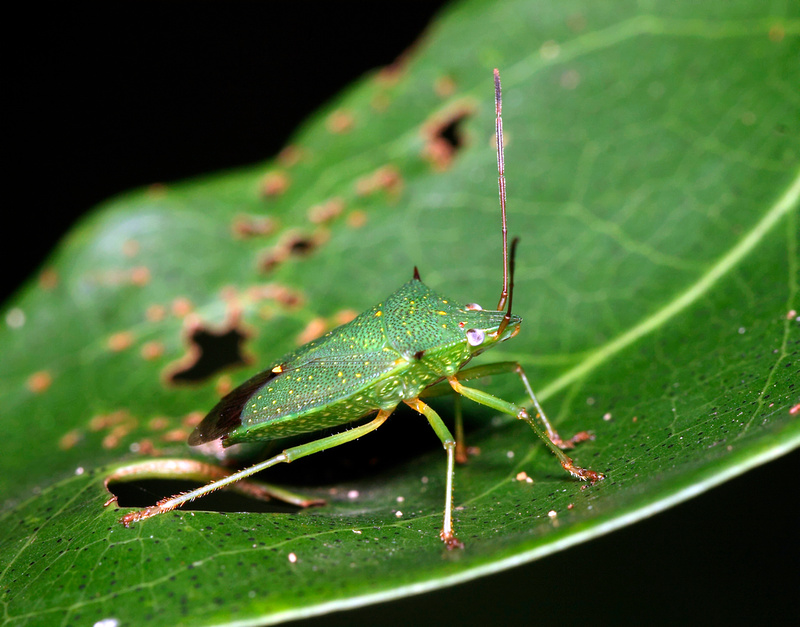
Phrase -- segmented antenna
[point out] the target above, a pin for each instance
(501, 182)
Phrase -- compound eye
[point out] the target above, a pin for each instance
(473, 307)
(475, 337)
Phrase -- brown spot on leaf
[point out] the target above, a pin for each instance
(192, 419)
(290, 155)
(39, 382)
(283, 295)
(48, 279)
(159, 423)
(570, 79)
(777, 32)
(114, 439)
(445, 86)
(130, 248)
(155, 313)
(344, 316)
(245, 226)
(356, 219)
(443, 135)
(70, 439)
(175, 435)
(340, 121)
(326, 211)
(292, 245)
(145, 447)
(386, 178)
(152, 350)
(224, 385)
(275, 183)
(576, 22)
(157, 191)
(312, 331)
(120, 341)
(140, 275)
(118, 424)
(391, 74)
(181, 307)
(380, 101)
(115, 418)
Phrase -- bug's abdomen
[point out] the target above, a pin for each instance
(330, 415)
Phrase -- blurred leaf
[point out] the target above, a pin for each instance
(653, 170)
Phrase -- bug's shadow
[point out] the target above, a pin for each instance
(406, 436)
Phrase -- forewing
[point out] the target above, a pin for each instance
(226, 415)
(318, 383)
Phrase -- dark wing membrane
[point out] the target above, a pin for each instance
(226, 415)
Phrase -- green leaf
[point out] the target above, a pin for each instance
(653, 167)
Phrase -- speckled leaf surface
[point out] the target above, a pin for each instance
(654, 174)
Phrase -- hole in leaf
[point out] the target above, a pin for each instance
(452, 133)
(291, 246)
(301, 246)
(141, 493)
(211, 352)
(445, 135)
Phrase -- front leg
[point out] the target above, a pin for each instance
(447, 534)
(504, 367)
(484, 398)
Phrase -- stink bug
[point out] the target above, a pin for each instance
(390, 354)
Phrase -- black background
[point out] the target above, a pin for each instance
(106, 98)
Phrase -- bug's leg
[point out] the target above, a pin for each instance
(461, 446)
(462, 450)
(484, 398)
(287, 456)
(449, 443)
(503, 367)
(197, 470)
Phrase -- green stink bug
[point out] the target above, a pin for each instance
(390, 354)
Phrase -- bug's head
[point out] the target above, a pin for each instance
(483, 328)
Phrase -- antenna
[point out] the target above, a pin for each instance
(501, 183)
